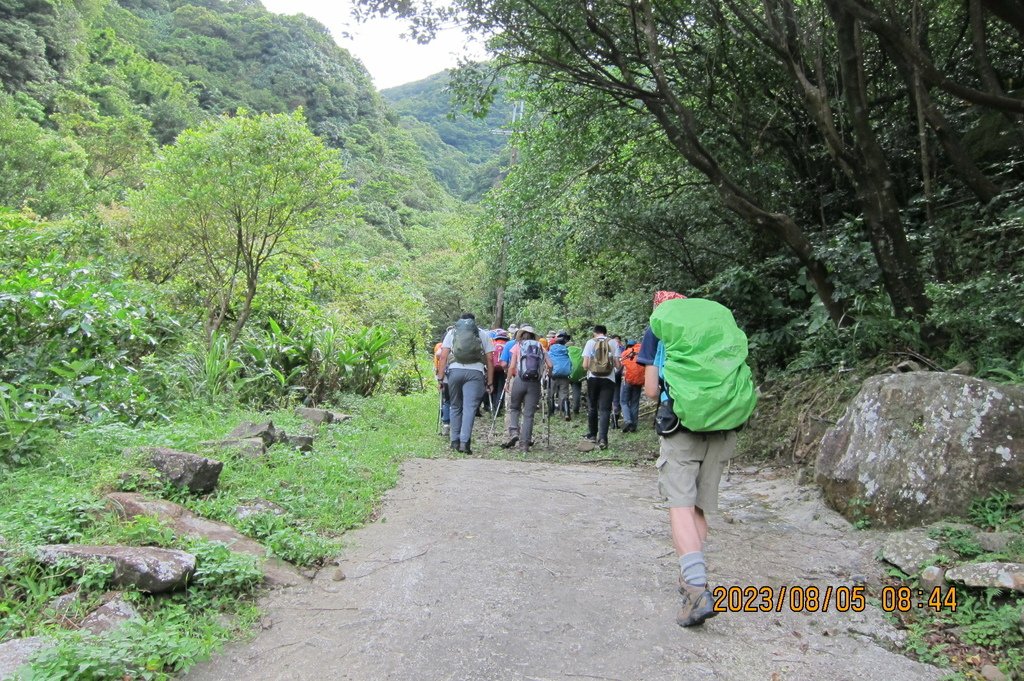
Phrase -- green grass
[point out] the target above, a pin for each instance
(325, 492)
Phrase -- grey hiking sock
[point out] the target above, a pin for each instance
(693, 569)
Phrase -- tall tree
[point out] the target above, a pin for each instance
(234, 194)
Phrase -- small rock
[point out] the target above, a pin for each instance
(964, 368)
(338, 575)
(263, 431)
(995, 542)
(909, 550)
(906, 366)
(338, 417)
(16, 652)
(986, 575)
(252, 447)
(303, 443)
(109, 616)
(933, 577)
(805, 476)
(258, 506)
(195, 473)
(991, 673)
(144, 567)
(586, 446)
(62, 605)
(317, 416)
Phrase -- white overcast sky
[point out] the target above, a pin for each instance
(390, 59)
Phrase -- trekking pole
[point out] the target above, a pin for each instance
(547, 416)
(494, 415)
(440, 407)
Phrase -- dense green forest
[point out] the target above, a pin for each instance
(464, 150)
(845, 175)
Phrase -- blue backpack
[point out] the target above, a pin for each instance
(561, 364)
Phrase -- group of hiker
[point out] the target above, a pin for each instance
(691, 361)
(484, 371)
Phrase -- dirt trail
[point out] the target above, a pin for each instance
(482, 569)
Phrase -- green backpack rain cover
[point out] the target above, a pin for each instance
(705, 364)
(576, 357)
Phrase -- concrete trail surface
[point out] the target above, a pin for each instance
(482, 569)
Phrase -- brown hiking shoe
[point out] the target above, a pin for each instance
(698, 605)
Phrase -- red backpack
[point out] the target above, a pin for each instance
(632, 372)
(499, 346)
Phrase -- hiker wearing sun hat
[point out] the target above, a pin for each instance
(528, 365)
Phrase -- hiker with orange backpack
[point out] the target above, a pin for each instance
(600, 359)
(632, 385)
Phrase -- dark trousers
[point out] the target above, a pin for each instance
(600, 392)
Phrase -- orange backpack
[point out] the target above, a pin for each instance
(632, 372)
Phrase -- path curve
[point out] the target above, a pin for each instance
(483, 569)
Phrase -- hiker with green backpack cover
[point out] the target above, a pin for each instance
(470, 376)
(694, 356)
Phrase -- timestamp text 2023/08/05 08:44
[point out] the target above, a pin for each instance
(821, 599)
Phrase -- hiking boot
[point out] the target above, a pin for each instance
(510, 442)
(455, 446)
(446, 430)
(602, 444)
(568, 418)
(697, 605)
(464, 448)
(590, 438)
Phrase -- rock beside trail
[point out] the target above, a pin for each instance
(195, 473)
(910, 550)
(303, 443)
(318, 416)
(995, 542)
(184, 522)
(16, 652)
(264, 431)
(144, 567)
(989, 575)
(933, 577)
(913, 448)
(110, 616)
(252, 447)
(257, 506)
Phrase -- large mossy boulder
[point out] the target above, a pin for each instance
(918, 447)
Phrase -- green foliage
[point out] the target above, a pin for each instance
(232, 195)
(956, 539)
(995, 512)
(38, 168)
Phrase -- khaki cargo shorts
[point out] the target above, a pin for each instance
(690, 467)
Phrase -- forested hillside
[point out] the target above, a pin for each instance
(464, 151)
(95, 97)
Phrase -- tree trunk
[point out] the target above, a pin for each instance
(873, 180)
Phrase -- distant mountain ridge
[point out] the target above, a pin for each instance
(465, 153)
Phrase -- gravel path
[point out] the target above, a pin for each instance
(483, 569)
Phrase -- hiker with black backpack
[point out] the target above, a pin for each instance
(528, 366)
(470, 376)
(600, 359)
(695, 363)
